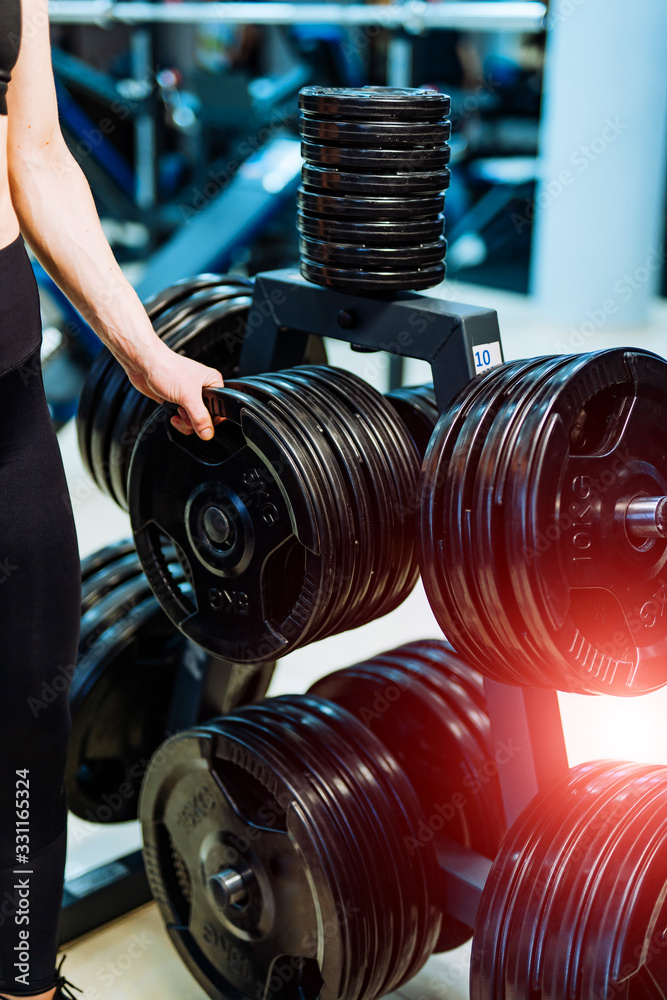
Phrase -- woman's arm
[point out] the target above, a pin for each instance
(59, 221)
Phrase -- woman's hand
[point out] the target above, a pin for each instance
(169, 377)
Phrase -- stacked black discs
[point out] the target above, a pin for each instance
(295, 522)
(373, 187)
(278, 846)
(122, 688)
(426, 705)
(417, 407)
(576, 902)
(202, 318)
(527, 553)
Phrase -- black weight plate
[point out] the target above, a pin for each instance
(418, 416)
(410, 732)
(372, 258)
(377, 135)
(460, 547)
(372, 281)
(119, 701)
(366, 185)
(374, 471)
(103, 557)
(183, 289)
(484, 807)
(401, 458)
(376, 209)
(320, 812)
(627, 924)
(219, 347)
(419, 871)
(182, 313)
(506, 408)
(132, 415)
(108, 406)
(213, 337)
(492, 926)
(448, 583)
(324, 463)
(387, 234)
(96, 586)
(403, 463)
(278, 558)
(113, 606)
(442, 656)
(87, 406)
(362, 535)
(567, 855)
(559, 850)
(204, 936)
(594, 600)
(378, 103)
(628, 852)
(376, 160)
(313, 746)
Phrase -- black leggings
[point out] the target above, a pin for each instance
(40, 595)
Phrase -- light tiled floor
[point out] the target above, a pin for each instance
(100, 963)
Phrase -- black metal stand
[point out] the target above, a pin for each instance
(457, 341)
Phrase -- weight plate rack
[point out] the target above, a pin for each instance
(571, 903)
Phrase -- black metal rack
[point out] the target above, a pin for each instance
(456, 340)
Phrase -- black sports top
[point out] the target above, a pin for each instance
(10, 40)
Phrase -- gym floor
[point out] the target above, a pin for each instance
(132, 957)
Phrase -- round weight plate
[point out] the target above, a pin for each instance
(108, 405)
(353, 498)
(377, 103)
(293, 864)
(119, 702)
(372, 258)
(402, 464)
(488, 563)
(446, 579)
(375, 135)
(371, 209)
(372, 281)
(277, 553)
(419, 416)
(104, 557)
(324, 462)
(376, 160)
(213, 337)
(593, 600)
(91, 392)
(366, 185)
(183, 289)
(336, 771)
(559, 850)
(96, 586)
(487, 970)
(374, 471)
(386, 234)
(365, 691)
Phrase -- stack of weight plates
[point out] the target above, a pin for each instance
(373, 187)
(526, 556)
(575, 904)
(202, 318)
(417, 408)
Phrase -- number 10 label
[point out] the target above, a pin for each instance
(486, 356)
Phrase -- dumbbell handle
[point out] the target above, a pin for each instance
(646, 517)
